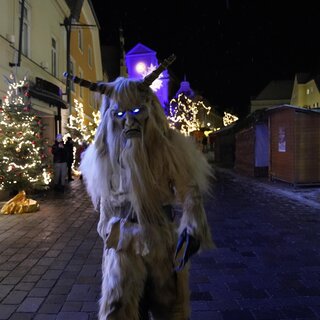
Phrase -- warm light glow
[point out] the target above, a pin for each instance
(228, 118)
(141, 67)
(79, 131)
(24, 162)
(77, 128)
(183, 114)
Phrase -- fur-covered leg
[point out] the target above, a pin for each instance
(170, 297)
(181, 308)
(123, 281)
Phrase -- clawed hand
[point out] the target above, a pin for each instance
(192, 245)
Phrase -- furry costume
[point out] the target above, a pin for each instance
(136, 171)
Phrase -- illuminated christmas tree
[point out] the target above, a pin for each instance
(77, 128)
(81, 134)
(183, 113)
(24, 163)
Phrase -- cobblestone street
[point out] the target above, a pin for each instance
(266, 264)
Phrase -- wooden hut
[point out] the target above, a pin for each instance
(252, 151)
(294, 145)
(252, 145)
(224, 146)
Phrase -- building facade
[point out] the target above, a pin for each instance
(303, 91)
(140, 61)
(35, 48)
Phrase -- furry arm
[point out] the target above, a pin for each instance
(191, 182)
(194, 219)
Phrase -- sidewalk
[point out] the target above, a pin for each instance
(50, 259)
(308, 195)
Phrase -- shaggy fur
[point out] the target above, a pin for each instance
(130, 181)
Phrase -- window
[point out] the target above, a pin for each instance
(91, 99)
(53, 57)
(26, 29)
(80, 88)
(90, 57)
(80, 40)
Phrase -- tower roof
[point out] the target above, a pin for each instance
(185, 89)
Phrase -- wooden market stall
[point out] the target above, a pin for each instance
(252, 145)
(252, 151)
(294, 145)
(224, 146)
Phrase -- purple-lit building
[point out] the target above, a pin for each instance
(185, 89)
(141, 61)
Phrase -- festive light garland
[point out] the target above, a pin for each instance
(79, 131)
(183, 113)
(228, 118)
(76, 126)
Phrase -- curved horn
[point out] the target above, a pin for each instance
(85, 83)
(147, 81)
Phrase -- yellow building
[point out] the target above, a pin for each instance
(41, 55)
(306, 91)
(303, 91)
(85, 60)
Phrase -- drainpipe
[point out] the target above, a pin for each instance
(12, 64)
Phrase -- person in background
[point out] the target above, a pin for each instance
(204, 143)
(70, 158)
(79, 154)
(211, 141)
(59, 163)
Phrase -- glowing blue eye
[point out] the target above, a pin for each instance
(136, 110)
(119, 114)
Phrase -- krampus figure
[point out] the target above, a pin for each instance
(137, 172)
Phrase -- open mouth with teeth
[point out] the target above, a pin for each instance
(132, 133)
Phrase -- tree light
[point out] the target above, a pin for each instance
(228, 118)
(24, 162)
(184, 114)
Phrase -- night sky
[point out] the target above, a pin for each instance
(228, 50)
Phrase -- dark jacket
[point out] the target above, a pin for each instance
(69, 150)
(59, 154)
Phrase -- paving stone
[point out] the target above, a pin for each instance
(21, 316)
(30, 305)
(72, 316)
(6, 311)
(45, 317)
(15, 297)
(50, 308)
(4, 290)
(72, 306)
(265, 264)
(39, 292)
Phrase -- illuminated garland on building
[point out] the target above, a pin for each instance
(228, 118)
(183, 114)
(24, 162)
